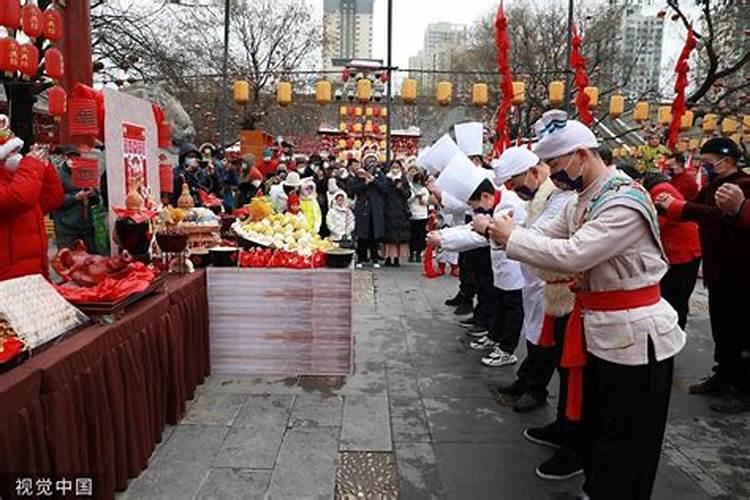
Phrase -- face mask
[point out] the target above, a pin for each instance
(255, 183)
(565, 181)
(301, 170)
(526, 193)
(344, 174)
(12, 162)
(191, 162)
(710, 171)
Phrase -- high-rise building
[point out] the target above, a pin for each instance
(441, 42)
(639, 42)
(347, 31)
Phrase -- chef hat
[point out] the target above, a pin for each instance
(461, 178)
(470, 137)
(440, 154)
(513, 161)
(559, 136)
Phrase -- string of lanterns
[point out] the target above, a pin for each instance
(22, 59)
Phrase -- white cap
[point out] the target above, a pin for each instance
(513, 161)
(461, 178)
(440, 154)
(559, 136)
(470, 137)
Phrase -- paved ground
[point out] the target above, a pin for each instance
(416, 420)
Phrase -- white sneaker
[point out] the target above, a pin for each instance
(376, 266)
(482, 343)
(498, 357)
(359, 266)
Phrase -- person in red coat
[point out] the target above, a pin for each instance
(682, 178)
(681, 243)
(29, 189)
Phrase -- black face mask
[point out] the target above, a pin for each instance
(526, 193)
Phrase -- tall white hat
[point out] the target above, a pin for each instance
(461, 178)
(439, 155)
(470, 137)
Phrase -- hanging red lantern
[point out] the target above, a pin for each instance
(32, 20)
(8, 55)
(28, 60)
(350, 110)
(54, 63)
(53, 24)
(345, 75)
(10, 14)
(57, 99)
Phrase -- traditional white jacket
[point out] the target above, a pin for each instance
(507, 273)
(608, 237)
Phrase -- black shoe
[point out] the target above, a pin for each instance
(733, 404)
(412, 258)
(710, 386)
(514, 389)
(388, 262)
(455, 301)
(468, 322)
(396, 263)
(564, 464)
(464, 308)
(549, 435)
(418, 259)
(527, 403)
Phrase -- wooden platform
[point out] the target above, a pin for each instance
(280, 321)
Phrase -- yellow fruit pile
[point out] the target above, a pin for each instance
(283, 231)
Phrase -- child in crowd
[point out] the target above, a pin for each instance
(340, 219)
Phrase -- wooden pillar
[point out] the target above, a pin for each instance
(76, 48)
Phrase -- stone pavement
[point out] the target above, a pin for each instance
(416, 420)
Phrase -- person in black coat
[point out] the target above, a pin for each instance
(369, 188)
(397, 215)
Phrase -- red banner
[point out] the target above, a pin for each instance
(85, 173)
(134, 155)
(82, 113)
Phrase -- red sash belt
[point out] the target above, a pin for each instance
(574, 348)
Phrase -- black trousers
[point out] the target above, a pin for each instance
(624, 415)
(417, 242)
(466, 284)
(541, 362)
(480, 275)
(507, 318)
(677, 286)
(726, 308)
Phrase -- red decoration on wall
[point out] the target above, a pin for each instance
(502, 42)
(10, 14)
(28, 59)
(53, 24)
(578, 65)
(54, 65)
(8, 55)
(32, 20)
(678, 105)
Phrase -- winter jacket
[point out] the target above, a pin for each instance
(26, 196)
(507, 273)
(310, 207)
(340, 220)
(73, 219)
(369, 208)
(418, 202)
(679, 239)
(397, 213)
(686, 184)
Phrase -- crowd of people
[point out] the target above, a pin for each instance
(594, 264)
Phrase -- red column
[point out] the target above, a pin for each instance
(76, 47)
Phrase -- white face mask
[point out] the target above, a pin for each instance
(255, 183)
(12, 162)
(344, 174)
(191, 162)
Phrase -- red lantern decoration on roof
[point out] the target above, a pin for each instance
(8, 55)
(54, 63)
(58, 101)
(28, 59)
(32, 20)
(10, 14)
(53, 24)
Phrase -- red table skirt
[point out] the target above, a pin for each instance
(96, 404)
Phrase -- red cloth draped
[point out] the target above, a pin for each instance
(428, 264)
(680, 84)
(578, 65)
(574, 347)
(502, 43)
(547, 337)
(137, 280)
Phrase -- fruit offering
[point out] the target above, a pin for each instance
(283, 232)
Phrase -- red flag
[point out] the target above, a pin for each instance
(578, 65)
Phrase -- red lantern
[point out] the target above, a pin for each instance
(32, 20)
(384, 77)
(8, 55)
(28, 59)
(53, 29)
(350, 143)
(58, 101)
(166, 178)
(345, 75)
(54, 63)
(10, 14)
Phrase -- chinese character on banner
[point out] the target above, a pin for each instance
(134, 155)
(24, 487)
(44, 487)
(64, 486)
(84, 487)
